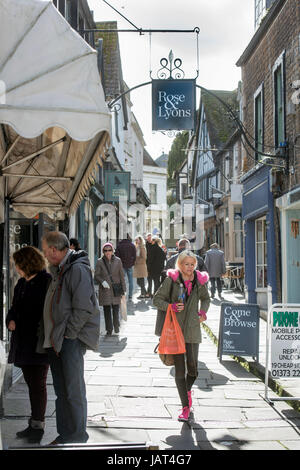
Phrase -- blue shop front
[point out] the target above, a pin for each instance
(259, 229)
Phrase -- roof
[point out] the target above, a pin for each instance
(111, 59)
(220, 126)
(162, 160)
(148, 160)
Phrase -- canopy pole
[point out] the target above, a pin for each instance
(34, 154)
(63, 178)
(10, 148)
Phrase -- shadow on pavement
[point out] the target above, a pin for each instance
(111, 344)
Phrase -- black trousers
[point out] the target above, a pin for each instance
(186, 371)
(156, 279)
(111, 318)
(141, 282)
(213, 281)
(35, 376)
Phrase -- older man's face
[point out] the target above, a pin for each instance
(53, 255)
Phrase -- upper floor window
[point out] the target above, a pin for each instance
(153, 193)
(279, 101)
(259, 122)
(261, 7)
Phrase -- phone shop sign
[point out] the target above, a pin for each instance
(173, 104)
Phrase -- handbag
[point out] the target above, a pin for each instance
(172, 339)
(123, 308)
(116, 286)
(166, 359)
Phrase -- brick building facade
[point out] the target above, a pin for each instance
(271, 182)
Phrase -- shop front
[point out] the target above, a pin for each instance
(51, 137)
(261, 250)
(289, 207)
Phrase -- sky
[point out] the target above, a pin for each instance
(226, 27)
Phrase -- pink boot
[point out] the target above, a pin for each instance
(185, 413)
(190, 398)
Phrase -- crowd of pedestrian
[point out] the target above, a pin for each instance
(55, 315)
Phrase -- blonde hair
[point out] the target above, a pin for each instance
(185, 254)
(141, 239)
(157, 240)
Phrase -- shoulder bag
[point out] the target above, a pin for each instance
(116, 286)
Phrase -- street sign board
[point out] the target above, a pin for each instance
(116, 185)
(173, 104)
(239, 330)
(285, 342)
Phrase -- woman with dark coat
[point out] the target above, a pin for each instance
(23, 320)
(156, 264)
(109, 270)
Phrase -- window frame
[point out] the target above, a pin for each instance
(279, 64)
(264, 244)
(259, 112)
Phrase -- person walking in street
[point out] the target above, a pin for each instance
(184, 244)
(127, 253)
(140, 267)
(149, 247)
(156, 264)
(109, 271)
(193, 283)
(216, 267)
(71, 324)
(22, 320)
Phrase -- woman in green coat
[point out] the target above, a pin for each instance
(194, 286)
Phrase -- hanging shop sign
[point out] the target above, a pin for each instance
(239, 330)
(116, 186)
(173, 104)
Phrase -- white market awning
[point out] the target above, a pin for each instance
(55, 124)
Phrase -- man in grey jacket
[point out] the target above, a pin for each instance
(71, 325)
(216, 266)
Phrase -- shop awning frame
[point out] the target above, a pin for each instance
(54, 123)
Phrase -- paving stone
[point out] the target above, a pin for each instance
(143, 407)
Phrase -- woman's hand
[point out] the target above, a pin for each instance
(178, 307)
(12, 325)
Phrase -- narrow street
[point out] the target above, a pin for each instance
(132, 396)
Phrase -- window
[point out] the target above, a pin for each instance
(227, 173)
(259, 122)
(261, 252)
(279, 101)
(260, 9)
(62, 7)
(68, 11)
(235, 164)
(153, 193)
(238, 233)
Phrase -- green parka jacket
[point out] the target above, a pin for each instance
(188, 319)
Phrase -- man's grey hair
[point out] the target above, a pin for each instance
(58, 240)
(214, 245)
(184, 242)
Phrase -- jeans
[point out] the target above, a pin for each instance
(113, 322)
(213, 281)
(68, 380)
(129, 272)
(35, 376)
(185, 375)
